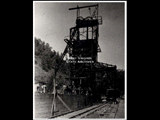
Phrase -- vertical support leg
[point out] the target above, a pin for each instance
(53, 109)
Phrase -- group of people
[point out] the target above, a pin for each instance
(73, 90)
(41, 89)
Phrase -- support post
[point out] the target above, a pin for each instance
(53, 109)
(87, 33)
(54, 99)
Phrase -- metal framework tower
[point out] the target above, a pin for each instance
(83, 43)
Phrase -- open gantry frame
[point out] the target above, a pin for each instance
(84, 39)
(83, 43)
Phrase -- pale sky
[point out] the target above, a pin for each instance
(53, 20)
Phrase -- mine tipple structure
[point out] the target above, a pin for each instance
(83, 43)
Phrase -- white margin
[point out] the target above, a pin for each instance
(125, 59)
(81, 1)
(33, 60)
(125, 3)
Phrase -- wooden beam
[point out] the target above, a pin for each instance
(82, 7)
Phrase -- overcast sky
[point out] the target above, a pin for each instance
(53, 20)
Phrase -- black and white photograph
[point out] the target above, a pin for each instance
(79, 59)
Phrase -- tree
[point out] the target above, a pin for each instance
(120, 80)
(49, 59)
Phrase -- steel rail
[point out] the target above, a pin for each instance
(90, 112)
(73, 114)
(83, 113)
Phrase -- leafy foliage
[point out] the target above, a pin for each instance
(49, 58)
(120, 80)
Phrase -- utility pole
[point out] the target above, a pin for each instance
(53, 109)
(54, 82)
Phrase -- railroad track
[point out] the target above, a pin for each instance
(101, 110)
(84, 115)
(108, 111)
